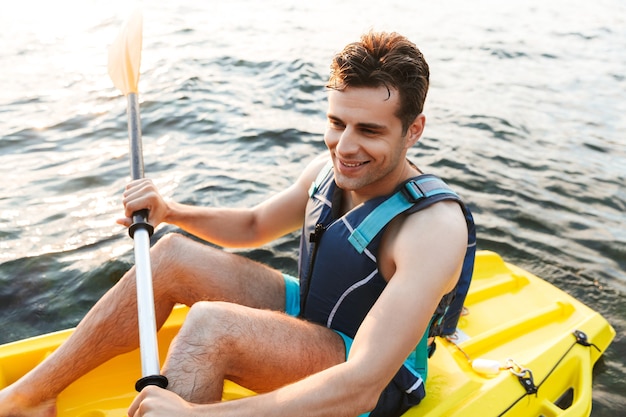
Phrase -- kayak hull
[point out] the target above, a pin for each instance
(513, 317)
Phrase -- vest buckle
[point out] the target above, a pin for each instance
(413, 192)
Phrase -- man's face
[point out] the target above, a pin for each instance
(364, 137)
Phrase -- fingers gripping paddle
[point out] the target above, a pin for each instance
(124, 60)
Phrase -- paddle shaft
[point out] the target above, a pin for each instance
(134, 136)
(140, 231)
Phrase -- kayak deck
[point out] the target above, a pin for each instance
(513, 317)
(513, 314)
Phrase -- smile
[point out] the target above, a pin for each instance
(352, 164)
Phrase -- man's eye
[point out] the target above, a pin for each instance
(335, 124)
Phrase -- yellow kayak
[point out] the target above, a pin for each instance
(524, 348)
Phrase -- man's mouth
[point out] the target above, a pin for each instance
(352, 164)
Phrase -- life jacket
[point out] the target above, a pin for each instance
(338, 270)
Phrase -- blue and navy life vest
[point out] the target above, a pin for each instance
(338, 269)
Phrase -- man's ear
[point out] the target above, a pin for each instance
(414, 133)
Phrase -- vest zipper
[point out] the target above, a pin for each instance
(314, 238)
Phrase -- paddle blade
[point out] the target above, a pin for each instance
(125, 54)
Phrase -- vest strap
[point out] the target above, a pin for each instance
(412, 192)
(320, 178)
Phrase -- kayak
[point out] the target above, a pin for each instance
(523, 348)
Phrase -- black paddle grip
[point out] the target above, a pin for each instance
(140, 220)
(158, 380)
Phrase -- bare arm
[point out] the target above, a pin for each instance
(424, 270)
(230, 227)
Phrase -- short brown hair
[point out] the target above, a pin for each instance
(384, 59)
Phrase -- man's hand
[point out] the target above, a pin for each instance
(156, 402)
(143, 194)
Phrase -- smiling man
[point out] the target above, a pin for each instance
(385, 249)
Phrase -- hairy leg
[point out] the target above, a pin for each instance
(259, 349)
(184, 271)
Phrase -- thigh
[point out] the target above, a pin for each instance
(261, 349)
(191, 271)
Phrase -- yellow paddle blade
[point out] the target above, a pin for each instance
(125, 54)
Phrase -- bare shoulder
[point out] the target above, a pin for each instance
(445, 216)
(284, 212)
(435, 236)
(443, 221)
(310, 172)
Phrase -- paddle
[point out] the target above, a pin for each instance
(124, 61)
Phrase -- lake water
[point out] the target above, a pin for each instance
(525, 120)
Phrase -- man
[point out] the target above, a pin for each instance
(342, 347)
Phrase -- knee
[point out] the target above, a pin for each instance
(211, 313)
(171, 245)
(178, 252)
(211, 320)
(210, 331)
(170, 255)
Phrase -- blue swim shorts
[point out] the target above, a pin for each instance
(292, 295)
(292, 305)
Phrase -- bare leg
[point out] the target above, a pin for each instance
(184, 271)
(259, 349)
